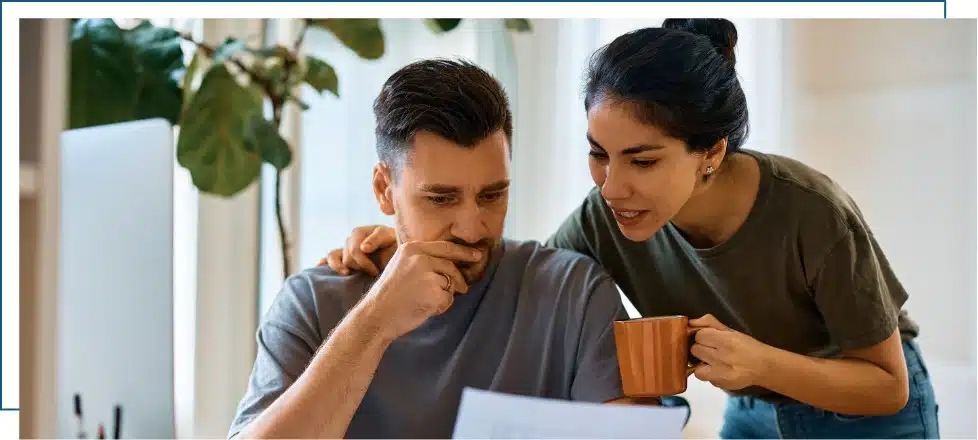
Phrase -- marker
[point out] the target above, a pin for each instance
(78, 416)
(117, 428)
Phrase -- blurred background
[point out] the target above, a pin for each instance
(885, 107)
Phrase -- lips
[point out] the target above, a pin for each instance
(628, 217)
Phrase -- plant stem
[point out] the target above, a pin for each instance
(282, 233)
(302, 34)
(282, 236)
(277, 105)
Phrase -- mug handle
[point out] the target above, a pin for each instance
(691, 335)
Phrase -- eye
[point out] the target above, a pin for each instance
(492, 197)
(643, 163)
(441, 200)
(598, 154)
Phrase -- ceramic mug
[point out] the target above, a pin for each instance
(653, 355)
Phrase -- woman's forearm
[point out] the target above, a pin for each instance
(846, 385)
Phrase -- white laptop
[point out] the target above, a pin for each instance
(115, 308)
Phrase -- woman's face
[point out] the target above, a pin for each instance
(645, 176)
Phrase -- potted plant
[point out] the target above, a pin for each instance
(218, 98)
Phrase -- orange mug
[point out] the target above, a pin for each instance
(653, 355)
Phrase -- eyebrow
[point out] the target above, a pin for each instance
(630, 150)
(449, 189)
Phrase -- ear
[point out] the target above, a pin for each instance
(384, 188)
(714, 156)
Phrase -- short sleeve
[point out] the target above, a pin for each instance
(597, 377)
(288, 338)
(857, 292)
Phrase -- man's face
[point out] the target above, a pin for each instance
(444, 192)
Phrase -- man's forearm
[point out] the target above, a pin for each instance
(846, 386)
(322, 401)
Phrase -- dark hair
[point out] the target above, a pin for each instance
(679, 78)
(454, 99)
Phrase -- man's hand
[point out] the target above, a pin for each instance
(363, 241)
(731, 360)
(421, 281)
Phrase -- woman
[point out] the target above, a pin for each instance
(800, 312)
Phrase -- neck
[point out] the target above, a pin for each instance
(720, 208)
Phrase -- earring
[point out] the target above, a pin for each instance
(709, 170)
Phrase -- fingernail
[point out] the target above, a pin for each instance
(345, 272)
(476, 254)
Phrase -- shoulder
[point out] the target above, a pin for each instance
(815, 199)
(552, 263)
(559, 275)
(582, 229)
(316, 298)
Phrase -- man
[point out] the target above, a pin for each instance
(456, 305)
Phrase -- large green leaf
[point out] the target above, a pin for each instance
(263, 138)
(119, 75)
(104, 84)
(321, 76)
(160, 59)
(441, 25)
(212, 138)
(362, 35)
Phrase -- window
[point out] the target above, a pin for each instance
(185, 198)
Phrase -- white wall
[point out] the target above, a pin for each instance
(887, 108)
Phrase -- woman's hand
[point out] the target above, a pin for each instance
(363, 241)
(731, 360)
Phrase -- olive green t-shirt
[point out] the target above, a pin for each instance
(803, 273)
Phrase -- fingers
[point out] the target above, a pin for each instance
(707, 321)
(446, 267)
(335, 261)
(710, 337)
(380, 237)
(706, 354)
(448, 251)
(354, 258)
(704, 372)
(363, 262)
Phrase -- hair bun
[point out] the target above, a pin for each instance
(721, 32)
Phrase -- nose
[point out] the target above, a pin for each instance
(468, 224)
(614, 186)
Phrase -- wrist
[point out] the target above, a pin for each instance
(369, 322)
(764, 365)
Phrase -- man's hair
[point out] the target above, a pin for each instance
(454, 99)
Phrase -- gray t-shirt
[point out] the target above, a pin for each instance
(803, 273)
(539, 323)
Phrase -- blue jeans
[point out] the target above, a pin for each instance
(748, 417)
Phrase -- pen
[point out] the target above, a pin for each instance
(117, 428)
(78, 416)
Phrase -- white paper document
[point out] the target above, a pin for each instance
(486, 414)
